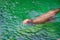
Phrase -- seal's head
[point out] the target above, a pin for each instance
(26, 21)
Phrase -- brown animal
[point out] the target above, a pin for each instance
(43, 18)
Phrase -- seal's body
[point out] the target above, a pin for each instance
(43, 18)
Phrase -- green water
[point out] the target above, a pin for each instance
(13, 12)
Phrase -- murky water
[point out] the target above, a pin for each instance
(13, 12)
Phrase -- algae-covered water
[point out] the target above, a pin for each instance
(13, 12)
